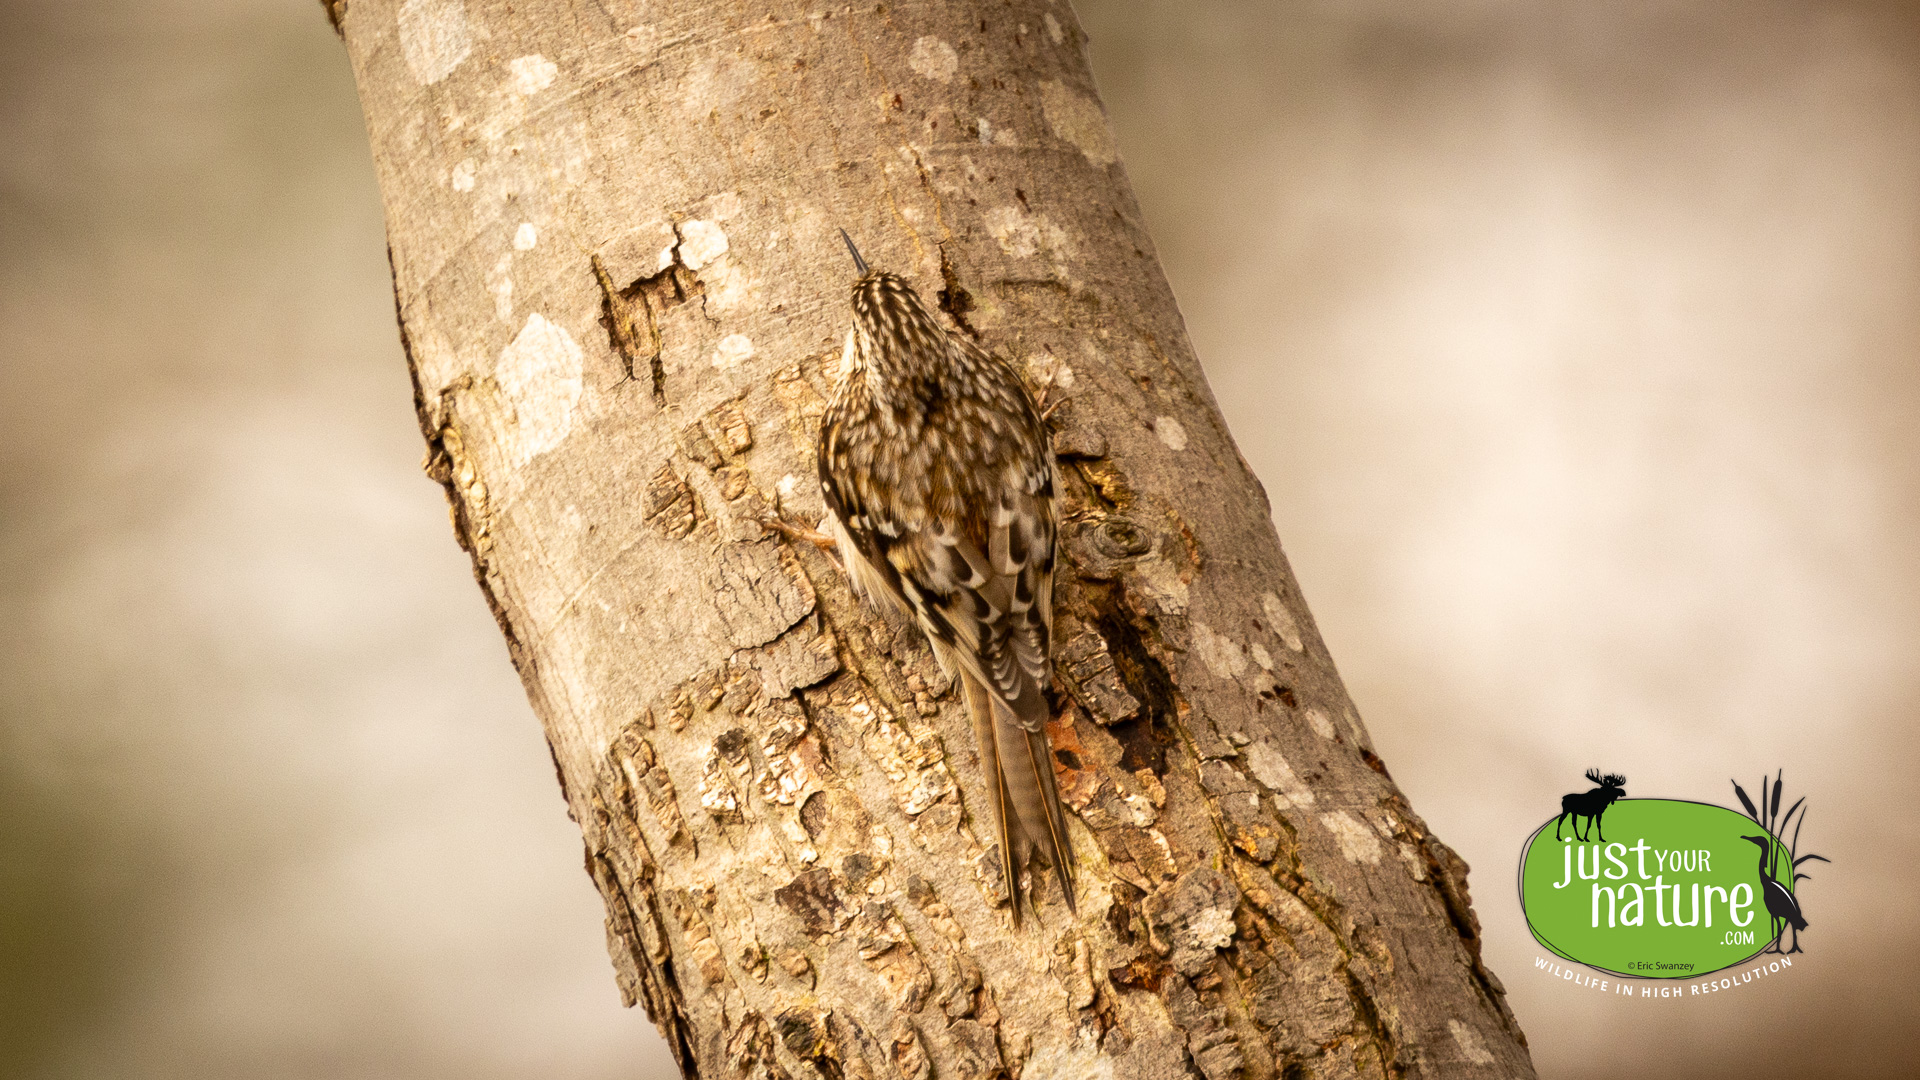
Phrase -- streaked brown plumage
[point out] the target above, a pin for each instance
(940, 490)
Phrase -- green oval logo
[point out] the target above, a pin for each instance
(1656, 888)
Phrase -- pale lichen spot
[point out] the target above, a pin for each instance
(724, 205)
(1281, 620)
(434, 38)
(1160, 581)
(1212, 927)
(1063, 1056)
(729, 286)
(1170, 432)
(933, 59)
(1261, 656)
(984, 130)
(1022, 235)
(500, 284)
(1014, 231)
(525, 237)
(701, 242)
(530, 74)
(715, 81)
(1270, 768)
(1222, 655)
(462, 176)
(1469, 1042)
(1408, 855)
(1053, 29)
(1322, 726)
(1049, 370)
(1357, 842)
(732, 350)
(1077, 118)
(539, 372)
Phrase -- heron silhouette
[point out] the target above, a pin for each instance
(1781, 905)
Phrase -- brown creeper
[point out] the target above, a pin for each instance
(940, 492)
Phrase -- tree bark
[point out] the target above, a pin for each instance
(622, 296)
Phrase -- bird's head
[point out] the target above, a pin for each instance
(895, 337)
(1765, 842)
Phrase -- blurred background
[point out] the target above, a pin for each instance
(1578, 346)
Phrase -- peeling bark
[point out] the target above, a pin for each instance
(621, 294)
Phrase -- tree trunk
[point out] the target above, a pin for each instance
(612, 230)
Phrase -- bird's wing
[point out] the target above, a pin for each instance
(988, 607)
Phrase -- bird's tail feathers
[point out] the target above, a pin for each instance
(1026, 766)
(981, 710)
(1059, 848)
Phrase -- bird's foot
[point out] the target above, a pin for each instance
(777, 521)
(1047, 410)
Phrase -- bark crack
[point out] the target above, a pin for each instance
(954, 298)
(631, 316)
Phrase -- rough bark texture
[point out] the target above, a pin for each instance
(612, 229)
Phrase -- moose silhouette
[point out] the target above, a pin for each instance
(1590, 804)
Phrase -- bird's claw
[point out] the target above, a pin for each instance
(1040, 402)
(778, 522)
